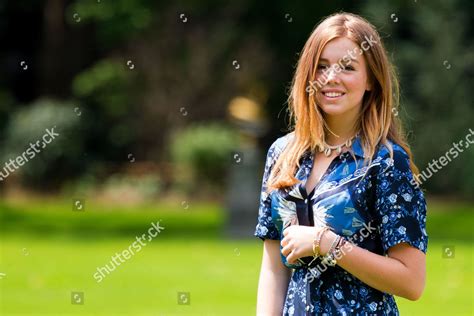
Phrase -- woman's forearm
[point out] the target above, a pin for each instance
(383, 273)
(402, 273)
(271, 295)
(273, 281)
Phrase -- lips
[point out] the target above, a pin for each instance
(332, 94)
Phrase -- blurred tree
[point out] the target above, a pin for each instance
(141, 70)
(47, 165)
(201, 155)
(430, 44)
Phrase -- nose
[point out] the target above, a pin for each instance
(332, 75)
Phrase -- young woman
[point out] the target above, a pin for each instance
(341, 215)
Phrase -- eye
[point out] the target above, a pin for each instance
(322, 67)
(348, 68)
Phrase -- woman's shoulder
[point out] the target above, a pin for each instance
(384, 150)
(276, 148)
(399, 155)
(281, 142)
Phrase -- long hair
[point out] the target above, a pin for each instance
(377, 122)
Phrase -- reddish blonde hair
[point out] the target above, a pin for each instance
(377, 121)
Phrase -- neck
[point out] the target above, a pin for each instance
(342, 126)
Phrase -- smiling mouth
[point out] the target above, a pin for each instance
(333, 95)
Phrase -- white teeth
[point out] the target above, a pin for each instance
(333, 94)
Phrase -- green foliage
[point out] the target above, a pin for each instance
(107, 84)
(116, 20)
(428, 41)
(106, 90)
(55, 218)
(29, 125)
(202, 153)
(431, 47)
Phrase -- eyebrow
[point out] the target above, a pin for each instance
(342, 60)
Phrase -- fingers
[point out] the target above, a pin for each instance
(286, 250)
(291, 258)
(284, 241)
(291, 254)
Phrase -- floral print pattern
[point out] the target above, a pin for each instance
(380, 199)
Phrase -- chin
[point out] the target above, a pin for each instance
(334, 109)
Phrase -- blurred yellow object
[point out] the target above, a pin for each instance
(245, 109)
(248, 116)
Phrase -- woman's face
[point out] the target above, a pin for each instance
(342, 78)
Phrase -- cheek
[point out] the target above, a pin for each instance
(356, 86)
(355, 83)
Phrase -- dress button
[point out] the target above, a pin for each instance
(306, 200)
(307, 308)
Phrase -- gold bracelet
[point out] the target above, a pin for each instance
(317, 241)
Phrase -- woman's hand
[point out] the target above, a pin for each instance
(298, 242)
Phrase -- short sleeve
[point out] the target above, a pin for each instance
(265, 228)
(400, 204)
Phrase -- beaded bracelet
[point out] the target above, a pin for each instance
(337, 253)
(329, 258)
(334, 244)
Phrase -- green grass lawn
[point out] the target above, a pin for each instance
(220, 277)
(47, 251)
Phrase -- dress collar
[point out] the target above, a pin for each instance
(357, 147)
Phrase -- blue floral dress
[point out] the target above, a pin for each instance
(374, 207)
